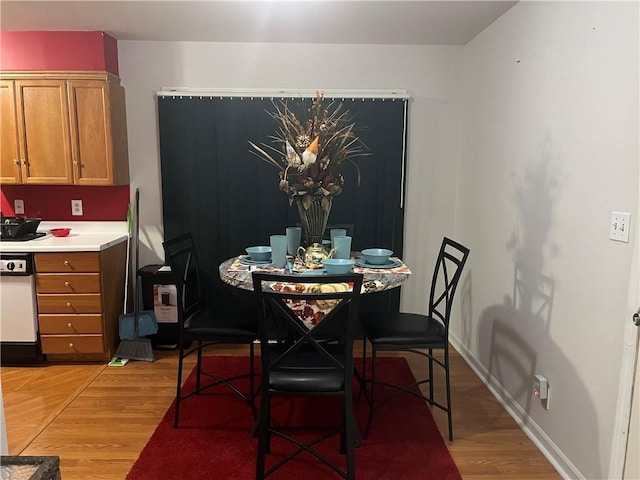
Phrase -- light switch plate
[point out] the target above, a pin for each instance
(619, 228)
(76, 207)
(18, 207)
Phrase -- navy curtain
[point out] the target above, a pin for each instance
(229, 199)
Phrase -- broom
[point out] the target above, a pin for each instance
(137, 348)
(147, 323)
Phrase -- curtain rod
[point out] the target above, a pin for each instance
(279, 92)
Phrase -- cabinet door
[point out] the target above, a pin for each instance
(9, 153)
(90, 132)
(98, 132)
(43, 129)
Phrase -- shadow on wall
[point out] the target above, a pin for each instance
(513, 334)
(506, 336)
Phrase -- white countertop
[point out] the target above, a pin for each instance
(84, 237)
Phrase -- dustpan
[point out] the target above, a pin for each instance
(147, 324)
(134, 326)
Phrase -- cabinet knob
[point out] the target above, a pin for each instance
(75, 162)
(22, 161)
(68, 304)
(66, 262)
(16, 161)
(70, 345)
(69, 324)
(66, 284)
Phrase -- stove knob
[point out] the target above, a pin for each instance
(11, 266)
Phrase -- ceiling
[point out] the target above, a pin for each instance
(393, 22)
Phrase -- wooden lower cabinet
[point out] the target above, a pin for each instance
(80, 299)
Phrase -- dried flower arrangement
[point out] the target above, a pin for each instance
(310, 153)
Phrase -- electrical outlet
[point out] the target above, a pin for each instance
(541, 390)
(76, 207)
(540, 387)
(619, 229)
(18, 207)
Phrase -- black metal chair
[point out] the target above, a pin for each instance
(411, 332)
(199, 328)
(303, 362)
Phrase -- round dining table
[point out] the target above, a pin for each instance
(233, 272)
(238, 274)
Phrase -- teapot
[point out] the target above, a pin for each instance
(313, 255)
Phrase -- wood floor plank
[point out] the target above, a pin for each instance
(98, 418)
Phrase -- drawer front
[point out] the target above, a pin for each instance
(70, 324)
(68, 262)
(72, 343)
(68, 282)
(81, 303)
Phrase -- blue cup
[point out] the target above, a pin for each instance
(278, 250)
(336, 232)
(294, 235)
(342, 246)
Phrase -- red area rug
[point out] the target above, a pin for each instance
(214, 442)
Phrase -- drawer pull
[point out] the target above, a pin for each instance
(66, 284)
(66, 262)
(68, 304)
(69, 324)
(70, 345)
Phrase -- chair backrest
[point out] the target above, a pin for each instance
(308, 308)
(349, 227)
(446, 275)
(182, 256)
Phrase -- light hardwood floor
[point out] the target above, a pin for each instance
(98, 418)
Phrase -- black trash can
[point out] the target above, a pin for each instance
(159, 294)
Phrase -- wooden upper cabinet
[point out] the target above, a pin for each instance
(98, 132)
(43, 130)
(67, 128)
(9, 152)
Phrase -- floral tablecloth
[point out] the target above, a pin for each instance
(238, 274)
(311, 312)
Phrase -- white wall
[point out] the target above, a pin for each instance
(431, 74)
(550, 150)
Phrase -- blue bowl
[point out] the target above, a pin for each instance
(259, 253)
(376, 256)
(335, 266)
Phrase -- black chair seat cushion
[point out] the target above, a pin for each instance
(399, 328)
(305, 371)
(225, 328)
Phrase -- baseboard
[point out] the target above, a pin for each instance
(549, 449)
